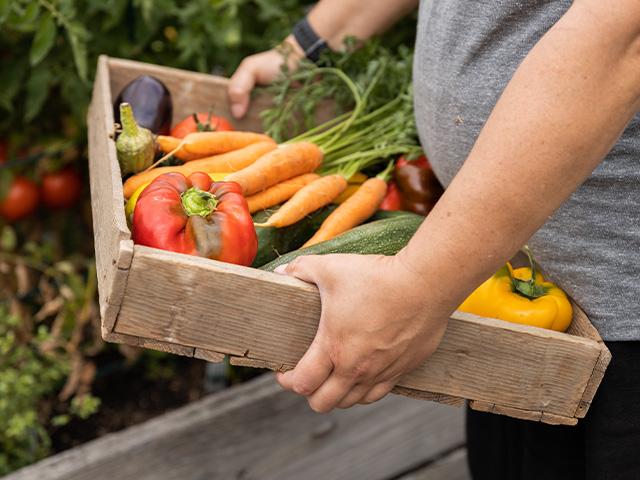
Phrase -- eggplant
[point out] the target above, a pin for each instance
(151, 103)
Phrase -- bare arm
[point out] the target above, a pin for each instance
(560, 114)
(333, 21)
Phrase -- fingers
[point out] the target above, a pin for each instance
(330, 393)
(377, 392)
(356, 394)
(240, 86)
(312, 370)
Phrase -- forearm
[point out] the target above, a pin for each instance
(558, 117)
(334, 20)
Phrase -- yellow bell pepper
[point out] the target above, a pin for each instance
(133, 199)
(511, 295)
(353, 184)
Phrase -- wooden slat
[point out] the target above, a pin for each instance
(208, 355)
(190, 91)
(258, 431)
(536, 416)
(147, 343)
(263, 316)
(594, 382)
(451, 467)
(112, 237)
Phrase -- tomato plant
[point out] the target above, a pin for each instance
(21, 199)
(61, 189)
(201, 122)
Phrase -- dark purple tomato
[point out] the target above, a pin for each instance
(151, 103)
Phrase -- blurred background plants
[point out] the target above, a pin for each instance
(59, 384)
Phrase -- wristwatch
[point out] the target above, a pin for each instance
(308, 39)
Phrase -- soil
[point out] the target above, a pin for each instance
(129, 395)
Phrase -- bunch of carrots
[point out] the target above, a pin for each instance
(305, 173)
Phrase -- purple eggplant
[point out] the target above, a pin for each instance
(151, 103)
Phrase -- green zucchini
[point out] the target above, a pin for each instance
(273, 242)
(383, 237)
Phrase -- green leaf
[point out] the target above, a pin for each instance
(78, 40)
(10, 82)
(24, 19)
(37, 92)
(43, 39)
(5, 9)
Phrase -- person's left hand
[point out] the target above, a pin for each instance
(379, 320)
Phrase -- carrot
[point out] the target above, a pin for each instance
(355, 210)
(308, 199)
(203, 144)
(279, 192)
(218, 163)
(283, 163)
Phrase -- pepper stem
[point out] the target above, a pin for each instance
(127, 120)
(198, 202)
(528, 288)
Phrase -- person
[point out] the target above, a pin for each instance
(528, 113)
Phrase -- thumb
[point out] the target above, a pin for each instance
(308, 268)
(240, 86)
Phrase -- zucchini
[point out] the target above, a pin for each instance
(382, 237)
(273, 242)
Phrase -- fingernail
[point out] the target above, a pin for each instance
(281, 269)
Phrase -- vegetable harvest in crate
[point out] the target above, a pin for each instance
(310, 194)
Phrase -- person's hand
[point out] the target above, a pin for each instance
(378, 322)
(260, 69)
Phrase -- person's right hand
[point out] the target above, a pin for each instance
(259, 69)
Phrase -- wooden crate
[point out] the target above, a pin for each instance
(198, 307)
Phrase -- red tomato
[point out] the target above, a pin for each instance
(21, 200)
(61, 189)
(392, 199)
(206, 122)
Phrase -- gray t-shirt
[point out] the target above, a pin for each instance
(466, 52)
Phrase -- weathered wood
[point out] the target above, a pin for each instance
(451, 467)
(208, 355)
(273, 318)
(594, 382)
(147, 343)
(257, 431)
(536, 416)
(190, 91)
(112, 237)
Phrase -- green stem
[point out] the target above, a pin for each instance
(198, 202)
(127, 120)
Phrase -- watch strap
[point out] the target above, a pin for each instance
(308, 39)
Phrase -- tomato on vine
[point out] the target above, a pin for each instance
(21, 199)
(201, 122)
(61, 189)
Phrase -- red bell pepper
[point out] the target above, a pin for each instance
(196, 216)
(392, 200)
(418, 185)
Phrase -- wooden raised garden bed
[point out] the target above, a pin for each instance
(257, 431)
(207, 309)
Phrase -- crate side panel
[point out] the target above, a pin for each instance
(246, 312)
(109, 225)
(190, 91)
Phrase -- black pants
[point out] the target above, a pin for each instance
(603, 446)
